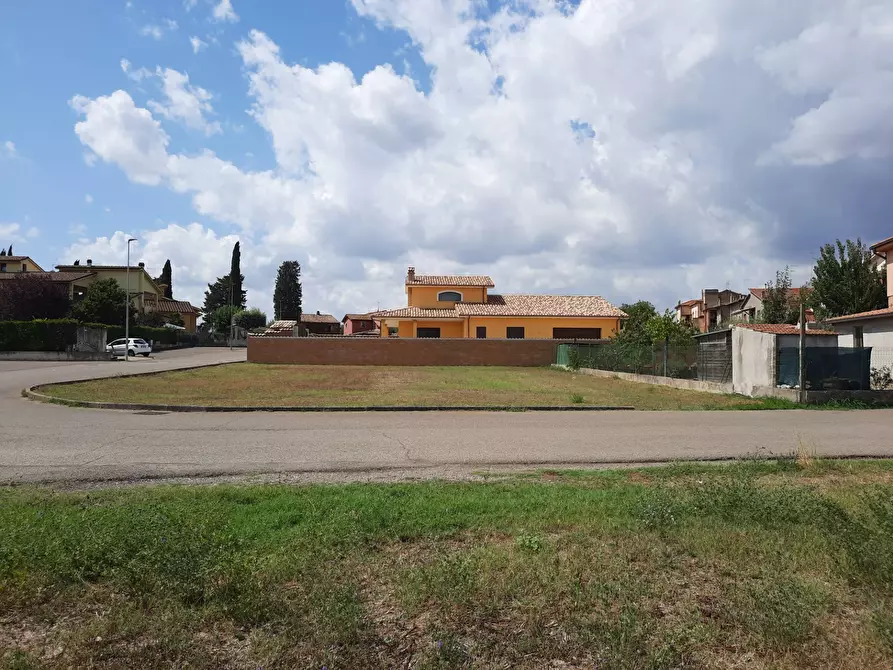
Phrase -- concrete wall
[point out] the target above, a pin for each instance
(401, 351)
(788, 341)
(54, 356)
(753, 360)
(821, 397)
(689, 384)
(91, 340)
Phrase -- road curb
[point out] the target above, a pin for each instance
(33, 394)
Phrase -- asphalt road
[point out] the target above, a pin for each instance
(50, 443)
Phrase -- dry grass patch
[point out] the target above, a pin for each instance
(248, 384)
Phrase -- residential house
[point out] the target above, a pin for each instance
(874, 328)
(461, 306)
(320, 324)
(146, 295)
(684, 311)
(751, 310)
(10, 264)
(360, 324)
(713, 310)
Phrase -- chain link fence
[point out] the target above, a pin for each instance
(706, 361)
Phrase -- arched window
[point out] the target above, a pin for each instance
(449, 296)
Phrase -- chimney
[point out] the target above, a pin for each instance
(141, 264)
(317, 312)
(89, 262)
(410, 274)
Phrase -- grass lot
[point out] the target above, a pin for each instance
(756, 565)
(323, 385)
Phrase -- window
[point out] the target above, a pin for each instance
(481, 332)
(428, 332)
(2, 267)
(576, 333)
(24, 267)
(514, 333)
(449, 296)
(393, 331)
(859, 336)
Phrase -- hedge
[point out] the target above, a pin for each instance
(39, 335)
(59, 334)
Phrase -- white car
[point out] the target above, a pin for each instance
(136, 346)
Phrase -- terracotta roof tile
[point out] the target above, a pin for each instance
(16, 258)
(873, 314)
(541, 305)
(416, 313)
(357, 317)
(46, 276)
(318, 318)
(450, 280)
(780, 329)
(171, 306)
(882, 243)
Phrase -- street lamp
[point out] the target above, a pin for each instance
(127, 304)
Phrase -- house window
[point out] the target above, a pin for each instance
(481, 332)
(428, 332)
(514, 333)
(2, 267)
(449, 296)
(393, 331)
(576, 333)
(24, 267)
(859, 336)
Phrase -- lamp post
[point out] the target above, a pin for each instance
(127, 304)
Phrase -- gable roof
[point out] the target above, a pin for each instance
(318, 318)
(780, 329)
(450, 280)
(689, 303)
(64, 277)
(357, 317)
(882, 243)
(540, 305)
(873, 314)
(171, 306)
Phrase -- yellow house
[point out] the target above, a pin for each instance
(462, 306)
(146, 295)
(18, 264)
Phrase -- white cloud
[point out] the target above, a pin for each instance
(137, 75)
(117, 131)
(9, 149)
(197, 44)
(157, 30)
(189, 5)
(88, 199)
(485, 169)
(13, 232)
(184, 102)
(32, 232)
(223, 11)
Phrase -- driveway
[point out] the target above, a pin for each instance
(50, 443)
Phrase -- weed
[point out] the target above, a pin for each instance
(577, 399)
(532, 543)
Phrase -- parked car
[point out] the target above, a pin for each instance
(136, 346)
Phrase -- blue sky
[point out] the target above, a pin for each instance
(632, 150)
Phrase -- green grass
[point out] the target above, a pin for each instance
(763, 564)
(247, 384)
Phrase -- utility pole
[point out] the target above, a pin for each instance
(802, 353)
(127, 304)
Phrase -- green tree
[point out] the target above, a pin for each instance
(288, 294)
(779, 303)
(845, 281)
(228, 289)
(251, 318)
(222, 317)
(664, 326)
(166, 278)
(103, 302)
(633, 329)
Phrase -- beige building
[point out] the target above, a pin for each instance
(11, 264)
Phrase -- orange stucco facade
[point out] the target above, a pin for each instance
(429, 297)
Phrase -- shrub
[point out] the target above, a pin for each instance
(159, 335)
(39, 335)
(251, 318)
(882, 378)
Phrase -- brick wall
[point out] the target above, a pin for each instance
(400, 351)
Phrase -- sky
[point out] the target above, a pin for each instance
(633, 149)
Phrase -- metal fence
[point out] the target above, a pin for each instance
(705, 361)
(837, 368)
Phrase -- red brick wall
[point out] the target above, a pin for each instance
(400, 351)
